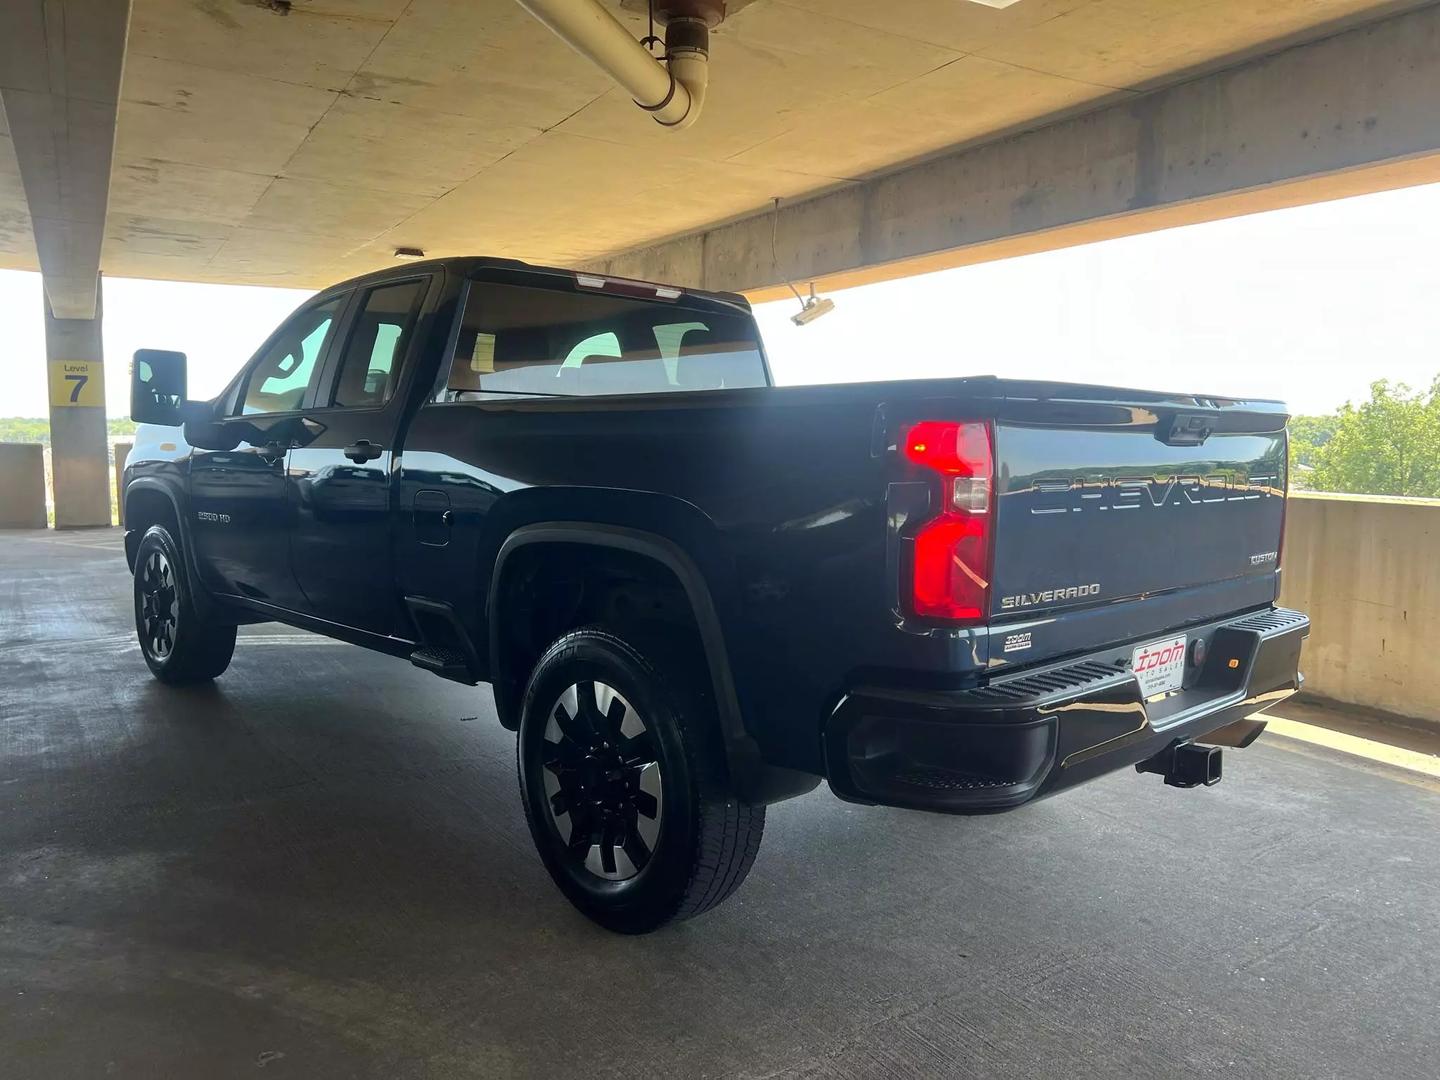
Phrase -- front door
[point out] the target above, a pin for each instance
(241, 526)
(339, 482)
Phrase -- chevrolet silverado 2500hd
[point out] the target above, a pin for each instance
(696, 594)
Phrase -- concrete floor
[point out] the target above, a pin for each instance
(319, 868)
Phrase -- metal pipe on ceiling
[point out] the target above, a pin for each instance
(672, 91)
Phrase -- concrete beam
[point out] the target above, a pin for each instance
(60, 63)
(1348, 114)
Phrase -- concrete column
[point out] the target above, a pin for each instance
(79, 454)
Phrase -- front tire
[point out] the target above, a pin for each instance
(624, 784)
(179, 645)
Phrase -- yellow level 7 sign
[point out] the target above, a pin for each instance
(76, 382)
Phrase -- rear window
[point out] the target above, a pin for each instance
(519, 340)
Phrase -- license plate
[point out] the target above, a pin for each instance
(1159, 665)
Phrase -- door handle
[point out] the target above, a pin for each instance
(363, 451)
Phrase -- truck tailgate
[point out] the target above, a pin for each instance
(1106, 502)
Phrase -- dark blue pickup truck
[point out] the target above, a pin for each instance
(696, 594)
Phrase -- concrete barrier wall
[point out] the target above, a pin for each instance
(1367, 569)
(22, 486)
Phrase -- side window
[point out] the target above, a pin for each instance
(376, 348)
(279, 381)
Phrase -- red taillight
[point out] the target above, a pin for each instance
(950, 565)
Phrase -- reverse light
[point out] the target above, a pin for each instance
(950, 556)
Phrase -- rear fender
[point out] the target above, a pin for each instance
(755, 780)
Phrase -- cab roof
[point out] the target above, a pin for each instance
(472, 265)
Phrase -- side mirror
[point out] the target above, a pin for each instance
(203, 429)
(157, 387)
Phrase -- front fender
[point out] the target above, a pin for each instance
(167, 490)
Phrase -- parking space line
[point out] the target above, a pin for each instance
(1398, 757)
(94, 545)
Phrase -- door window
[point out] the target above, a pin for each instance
(278, 382)
(376, 348)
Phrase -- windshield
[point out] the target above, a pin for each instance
(515, 339)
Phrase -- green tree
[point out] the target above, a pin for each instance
(24, 429)
(1308, 434)
(1389, 445)
(37, 429)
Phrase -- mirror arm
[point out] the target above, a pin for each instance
(197, 412)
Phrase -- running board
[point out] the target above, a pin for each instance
(447, 663)
(444, 648)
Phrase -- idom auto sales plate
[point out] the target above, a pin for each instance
(1159, 665)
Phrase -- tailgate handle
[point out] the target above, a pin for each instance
(1186, 429)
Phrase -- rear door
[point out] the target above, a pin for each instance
(339, 482)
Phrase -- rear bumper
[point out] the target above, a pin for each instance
(1038, 732)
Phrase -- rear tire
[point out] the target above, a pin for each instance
(178, 644)
(624, 783)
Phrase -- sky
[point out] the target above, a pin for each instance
(1308, 305)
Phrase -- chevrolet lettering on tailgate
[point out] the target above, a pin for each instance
(1135, 492)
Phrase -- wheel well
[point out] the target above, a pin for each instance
(144, 508)
(549, 589)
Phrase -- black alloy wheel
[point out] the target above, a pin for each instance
(181, 643)
(159, 606)
(625, 782)
(603, 783)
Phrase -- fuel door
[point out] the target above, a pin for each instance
(432, 517)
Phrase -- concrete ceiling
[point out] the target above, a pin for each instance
(60, 63)
(257, 147)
